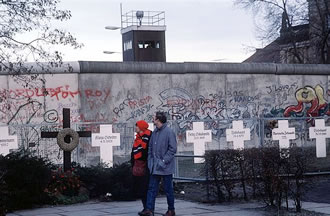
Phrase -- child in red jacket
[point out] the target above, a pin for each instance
(139, 157)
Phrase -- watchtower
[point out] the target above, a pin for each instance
(143, 36)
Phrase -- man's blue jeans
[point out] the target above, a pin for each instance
(153, 191)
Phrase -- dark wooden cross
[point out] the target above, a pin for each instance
(66, 124)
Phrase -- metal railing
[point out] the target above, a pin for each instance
(150, 18)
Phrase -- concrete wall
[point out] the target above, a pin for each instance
(125, 92)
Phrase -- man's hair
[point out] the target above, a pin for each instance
(161, 116)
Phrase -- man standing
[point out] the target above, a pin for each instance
(162, 148)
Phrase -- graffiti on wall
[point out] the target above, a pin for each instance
(22, 105)
(310, 103)
(35, 104)
(58, 93)
(132, 108)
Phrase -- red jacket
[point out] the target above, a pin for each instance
(140, 146)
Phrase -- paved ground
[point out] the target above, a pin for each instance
(319, 191)
(183, 208)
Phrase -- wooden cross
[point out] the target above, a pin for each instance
(66, 124)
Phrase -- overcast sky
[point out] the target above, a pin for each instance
(197, 30)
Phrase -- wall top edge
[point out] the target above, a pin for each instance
(202, 67)
(90, 67)
(40, 68)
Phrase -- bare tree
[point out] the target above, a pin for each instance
(319, 20)
(29, 41)
(274, 18)
(33, 18)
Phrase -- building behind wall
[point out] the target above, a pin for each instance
(319, 19)
(307, 43)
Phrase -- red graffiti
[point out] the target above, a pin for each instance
(137, 103)
(61, 92)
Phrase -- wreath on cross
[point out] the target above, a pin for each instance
(74, 139)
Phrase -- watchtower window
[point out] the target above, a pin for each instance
(140, 44)
(149, 44)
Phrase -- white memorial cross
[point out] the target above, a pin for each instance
(284, 134)
(320, 132)
(238, 134)
(199, 137)
(7, 142)
(106, 140)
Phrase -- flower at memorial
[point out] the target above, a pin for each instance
(64, 183)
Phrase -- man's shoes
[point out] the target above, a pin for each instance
(146, 212)
(170, 213)
(140, 213)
